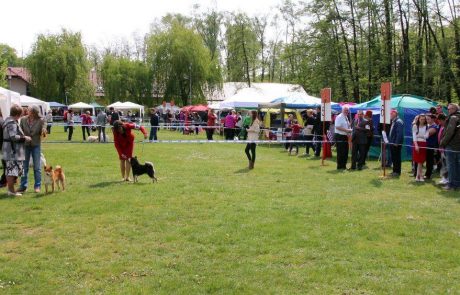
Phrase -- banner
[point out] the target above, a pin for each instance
(326, 111)
(385, 109)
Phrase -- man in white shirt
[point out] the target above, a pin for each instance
(342, 130)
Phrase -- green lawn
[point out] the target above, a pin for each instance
(211, 226)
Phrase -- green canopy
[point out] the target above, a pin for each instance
(97, 106)
(399, 101)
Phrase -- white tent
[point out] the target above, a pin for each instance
(246, 98)
(8, 98)
(82, 106)
(29, 101)
(115, 105)
(128, 106)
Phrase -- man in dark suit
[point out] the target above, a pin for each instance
(396, 140)
(359, 141)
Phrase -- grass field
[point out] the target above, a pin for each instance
(211, 226)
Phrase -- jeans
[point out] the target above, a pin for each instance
(153, 133)
(35, 152)
(101, 131)
(453, 167)
(251, 149)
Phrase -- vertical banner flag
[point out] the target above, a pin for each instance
(386, 103)
(326, 110)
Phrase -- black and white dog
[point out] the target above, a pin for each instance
(139, 169)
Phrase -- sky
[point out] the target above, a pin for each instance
(102, 21)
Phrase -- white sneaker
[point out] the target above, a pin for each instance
(443, 181)
(15, 194)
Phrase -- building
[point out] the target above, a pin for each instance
(18, 80)
(96, 81)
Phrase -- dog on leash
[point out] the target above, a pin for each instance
(139, 169)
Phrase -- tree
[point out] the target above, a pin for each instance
(181, 64)
(8, 58)
(59, 67)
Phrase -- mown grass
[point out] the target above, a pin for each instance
(211, 226)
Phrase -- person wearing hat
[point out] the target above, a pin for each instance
(123, 139)
(396, 140)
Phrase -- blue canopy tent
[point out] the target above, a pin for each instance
(56, 105)
(407, 105)
(298, 101)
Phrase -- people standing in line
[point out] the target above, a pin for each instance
(124, 143)
(101, 121)
(33, 126)
(342, 131)
(154, 123)
(86, 123)
(49, 121)
(359, 140)
(230, 121)
(70, 124)
(211, 123)
(431, 143)
(113, 116)
(419, 132)
(451, 144)
(369, 133)
(13, 148)
(253, 135)
(396, 140)
(442, 164)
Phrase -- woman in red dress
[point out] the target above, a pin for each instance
(124, 143)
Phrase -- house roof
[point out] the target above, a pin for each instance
(21, 73)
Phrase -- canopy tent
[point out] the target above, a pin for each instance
(408, 106)
(338, 106)
(29, 101)
(7, 99)
(115, 105)
(128, 106)
(97, 106)
(298, 100)
(56, 105)
(246, 98)
(82, 106)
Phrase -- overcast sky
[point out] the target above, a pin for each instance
(101, 21)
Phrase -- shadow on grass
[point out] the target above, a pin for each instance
(105, 184)
(376, 182)
(241, 171)
(5, 196)
(341, 171)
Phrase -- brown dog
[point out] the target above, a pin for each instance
(49, 178)
(59, 177)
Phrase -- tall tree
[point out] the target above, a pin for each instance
(59, 67)
(181, 64)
